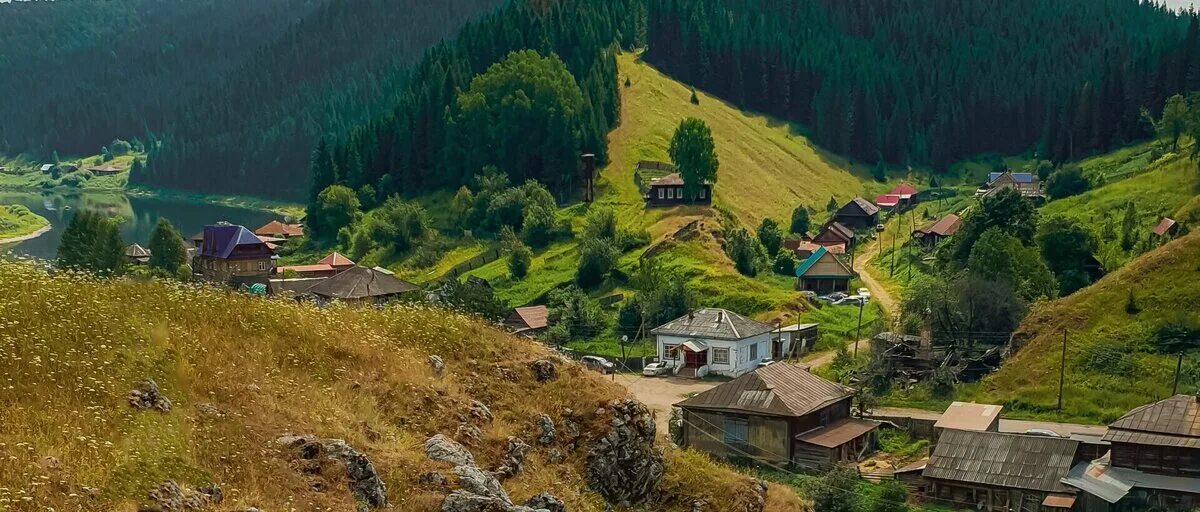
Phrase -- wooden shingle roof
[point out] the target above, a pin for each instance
(1002, 460)
(361, 283)
(780, 389)
(714, 324)
(1171, 422)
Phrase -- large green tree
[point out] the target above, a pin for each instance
(694, 154)
(336, 207)
(167, 252)
(92, 242)
(1007, 210)
(1067, 246)
(522, 116)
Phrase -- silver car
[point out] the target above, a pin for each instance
(597, 363)
(657, 369)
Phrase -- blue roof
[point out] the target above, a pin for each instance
(803, 267)
(221, 240)
(1019, 177)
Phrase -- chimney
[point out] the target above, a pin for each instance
(720, 316)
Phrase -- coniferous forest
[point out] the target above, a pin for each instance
(930, 82)
(236, 93)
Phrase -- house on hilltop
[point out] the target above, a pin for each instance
(932, 234)
(779, 415)
(857, 214)
(712, 340)
(669, 190)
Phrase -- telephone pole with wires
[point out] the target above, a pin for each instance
(1062, 370)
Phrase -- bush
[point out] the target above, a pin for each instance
(835, 491)
(596, 259)
(785, 264)
(1066, 182)
(800, 220)
(770, 236)
(119, 147)
(575, 314)
(745, 251)
(519, 259)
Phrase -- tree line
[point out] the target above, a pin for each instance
(920, 82)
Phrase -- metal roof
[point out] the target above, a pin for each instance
(714, 324)
(360, 283)
(968, 416)
(534, 317)
(1175, 416)
(864, 205)
(1002, 460)
(806, 265)
(1110, 483)
(838, 433)
(1163, 226)
(780, 389)
(221, 240)
(945, 226)
(336, 259)
(1018, 177)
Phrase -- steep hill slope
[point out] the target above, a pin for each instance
(1111, 363)
(240, 372)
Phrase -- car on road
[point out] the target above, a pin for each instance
(657, 369)
(597, 363)
(1044, 432)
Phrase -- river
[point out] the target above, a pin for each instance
(138, 216)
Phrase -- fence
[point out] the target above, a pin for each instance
(477, 261)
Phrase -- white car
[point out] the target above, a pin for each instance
(656, 369)
(864, 292)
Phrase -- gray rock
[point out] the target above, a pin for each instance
(514, 458)
(432, 479)
(543, 370)
(480, 412)
(462, 501)
(147, 396)
(170, 497)
(624, 466)
(442, 448)
(468, 434)
(546, 432)
(546, 501)
(477, 481)
(437, 364)
(364, 482)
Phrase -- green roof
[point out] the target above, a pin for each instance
(803, 267)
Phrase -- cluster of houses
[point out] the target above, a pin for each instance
(783, 416)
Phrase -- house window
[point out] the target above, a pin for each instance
(670, 351)
(720, 356)
(736, 432)
(262, 265)
(660, 193)
(754, 351)
(670, 193)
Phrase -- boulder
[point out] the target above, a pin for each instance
(624, 466)
(480, 412)
(442, 448)
(468, 434)
(170, 496)
(546, 432)
(546, 501)
(364, 482)
(477, 481)
(543, 370)
(514, 458)
(147, 396)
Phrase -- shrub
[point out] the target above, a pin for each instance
(785, 264)
(745, 251)
(596, 259)
(119, 147)
(770, 236)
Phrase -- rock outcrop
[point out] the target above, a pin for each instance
(624, 466)
(479, 490)
(480, 412)
(543, 370)
(545, 501)
(437, 365)
(364, 482)
(147, 396)
(171, 497)
(444, 449)
(514, 458)
(546, 432)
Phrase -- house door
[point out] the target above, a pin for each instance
(694, 359)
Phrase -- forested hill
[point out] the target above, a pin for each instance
(237, 91)
(928, 82)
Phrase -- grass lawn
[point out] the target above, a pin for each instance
(17, 221)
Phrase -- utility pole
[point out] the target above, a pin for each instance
(858, 334)
(1062, 370)
(1178, 367)
(892, 271)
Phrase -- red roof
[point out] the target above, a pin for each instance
(276, 228)
(903, 189)
(946, 226)
(887, 200)
(534, 317)
(1163, 226)
(335, 260)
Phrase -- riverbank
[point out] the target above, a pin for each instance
(18, 223)
(282, 208)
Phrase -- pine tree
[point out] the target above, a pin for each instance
(167, 252)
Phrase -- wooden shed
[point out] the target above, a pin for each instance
(1001, 472)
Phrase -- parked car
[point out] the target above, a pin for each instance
(832, 298)
(1041, 432)
(657, 369)
(597, 363)
(853, 300)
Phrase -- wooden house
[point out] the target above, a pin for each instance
(857, 214)
(932, 234)
(834, 233)
(307, 271)
(669, 190)
(337, 261)
(1166, 228)
(899, 198)
(1026, 183)
(823, 272)
(1000, 472)
(779, 415)
(712, 340)
(136, 254)
(280, 230)
(1153, 462)
(360, 286)
(231, 253)
(802, 249)
(528, 320)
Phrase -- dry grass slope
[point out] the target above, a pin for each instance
(242, 371)
(1110, 366)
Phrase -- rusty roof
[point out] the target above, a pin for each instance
(945, 226)
(1164, 226)
(1002, 460)
(1171, 422)
(534, 317)
(838, 433)
(780, 389)
(1059, 501)
(275, 227)
(838, 229)
(968, 416)
(336, 259)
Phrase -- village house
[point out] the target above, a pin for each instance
(360, 286)
(137, 255)
(794, 340)
(232, 254)
(712, 340)
(833, 233)
(280, 230)
(982, 470)
(105, 170)
(337, 261)
(802, 249)
(669, 190)
(1166, 228)
(932, 234)
(901, 197)
(528, 320)
(823, 272)
(1153, 462)
(1024, 182)
(306, 271)
(778, 415)
(857, 214)
(46, 168)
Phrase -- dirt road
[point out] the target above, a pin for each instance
(886, 301)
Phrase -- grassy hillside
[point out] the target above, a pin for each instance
(17, 221)
(1111, 365)
(71, 348)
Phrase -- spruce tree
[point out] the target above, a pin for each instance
(167, 252)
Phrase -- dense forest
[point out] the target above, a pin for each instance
(236, 92)
(433, 138)
(930, 82)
